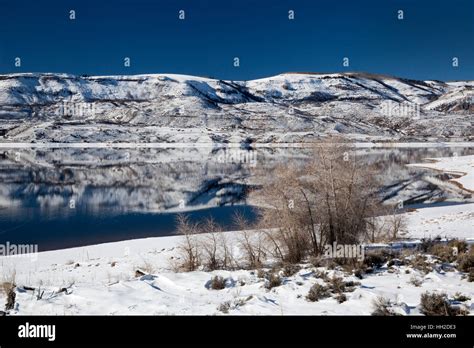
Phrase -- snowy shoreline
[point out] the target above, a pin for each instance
(101, 279)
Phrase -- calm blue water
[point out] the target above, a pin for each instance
(116, 197)
(79, 228)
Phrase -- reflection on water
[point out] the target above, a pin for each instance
(68, 197)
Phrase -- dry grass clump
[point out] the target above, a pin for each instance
(290, 269)
(443, 252)
(414, 280)
(341, 298)
(382, 307)
(465, 261)
(318, 292)
(217, 283)
(420, 263)
(336, 286)
(8, 286)
(224, 307)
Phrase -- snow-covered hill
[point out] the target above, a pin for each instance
(291, 107)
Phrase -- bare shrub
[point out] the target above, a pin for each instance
(382, 307)
(210, 251)
(189, 246)
(273, 281)
(359, 272)
(11, 297)
(217, 283)
(261, 273)
(460, 245)
(317, 261)
(215, 251)
(419, 262)
(444, 252)
(224, 307)
(253, 246)
(227, 258)
(337, 284)
(396, 227)
(466, 261)
(350, 285)
(437, 304)
(376, 230)
(318, 292)
(470, 277)
(251, 241)
(390, 225)
(427, 244)
(290, 269)
(322, 275)
(340, 298)
(414, 280)
(203, 245)
(289, 240)
(8, 287)
(376, 259)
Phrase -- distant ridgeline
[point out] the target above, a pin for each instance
(292, 107)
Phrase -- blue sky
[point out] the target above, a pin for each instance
(420, 46)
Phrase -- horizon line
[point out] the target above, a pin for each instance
(360, 72)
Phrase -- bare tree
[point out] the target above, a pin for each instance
(189, 247)
(210, 243)
(327, 200)
(389, 225)
(216, 253)
(397, 226)
(250, 241)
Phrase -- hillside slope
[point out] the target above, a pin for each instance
(290, 107)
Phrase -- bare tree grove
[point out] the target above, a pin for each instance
(330, 199)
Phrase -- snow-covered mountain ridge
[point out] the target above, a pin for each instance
(293, 107)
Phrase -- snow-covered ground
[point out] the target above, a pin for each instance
(101, 279)
(450, 221)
